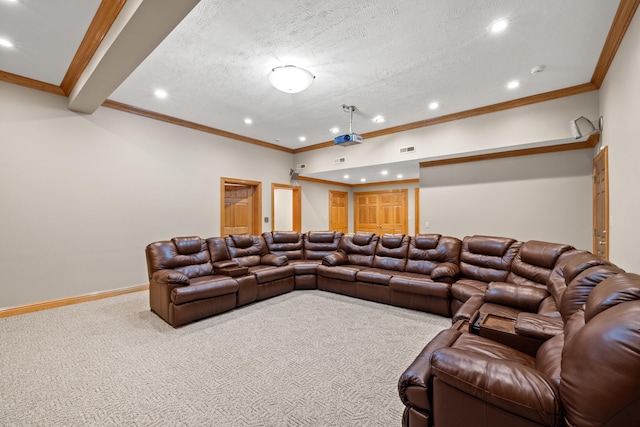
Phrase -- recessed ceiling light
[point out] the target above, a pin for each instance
(378, 119)
(513, 84)
(248, 121)
(160, 93)
(363, 179)
(434, 105)
(399, 176)
(498, 25)
(334, 130)
(6, 43)
(346, 177)
(302, 138)
(385, 172)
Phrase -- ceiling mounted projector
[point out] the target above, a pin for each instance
(350, 138)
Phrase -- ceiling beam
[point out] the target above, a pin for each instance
(137, 31)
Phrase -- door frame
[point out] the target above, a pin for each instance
(297, 205)
(256, 202)
(602, 155)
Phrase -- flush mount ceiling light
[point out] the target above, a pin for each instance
(6, 43)
(498, 25)
(290, 79)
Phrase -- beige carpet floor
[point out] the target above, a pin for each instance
(307, 358)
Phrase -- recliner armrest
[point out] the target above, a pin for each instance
(272, 259)
(522, 297)
(469, 309)
(225, 263)
(538, 326)
(506, 384)
(445, 272)
(336, 258)
(173, 277)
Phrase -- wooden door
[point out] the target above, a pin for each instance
(238, 209)
(393, 212)
(601, 204)
(381, 212)
(339, 211)
(241, 206)
(366, 207)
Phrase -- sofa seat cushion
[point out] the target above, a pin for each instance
(340, 272)
(379, 276)
(414, 283)
(269, 273)
(203, 288)
(305, 267)
(464, 289)
(414, 384)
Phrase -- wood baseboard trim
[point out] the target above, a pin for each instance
(45, 305)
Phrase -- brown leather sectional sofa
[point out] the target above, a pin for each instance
(543, 334)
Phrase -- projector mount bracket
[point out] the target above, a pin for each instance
(350, 109)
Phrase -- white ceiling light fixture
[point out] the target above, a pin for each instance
(160, 93)
(498, 26)
(6, 43)
(378, 119)
(434, 105)
(334, 130)
(248, 121)
(513, 84)
(290, 79)
(302, 138)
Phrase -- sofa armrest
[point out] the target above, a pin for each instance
(469, 309)
(506, 384)
(273, 259)
(526, 298)
(538, 326)
(445, 272)
(336, 258)
(225, 263)
(172, 277)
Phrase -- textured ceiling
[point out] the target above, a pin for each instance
(387, 58)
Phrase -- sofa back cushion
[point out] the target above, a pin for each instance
(391, 252)
(359, 247)
(287, 243)
(426, 251)
(188, 255)
(318, 244)
(487, 258)
(600, 373)
(580, 287)
(246, 249)
(534, 262)
(218, 250)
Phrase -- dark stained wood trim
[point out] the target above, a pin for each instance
(624, 15)
(191, 125)
(591, 142)
(30, 83)
(102, 21)
(30, 308)
(534, 99)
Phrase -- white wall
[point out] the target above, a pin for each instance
(315, 205)
(619, 106)
(82, 195)
(537, 124)
(542, 197)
